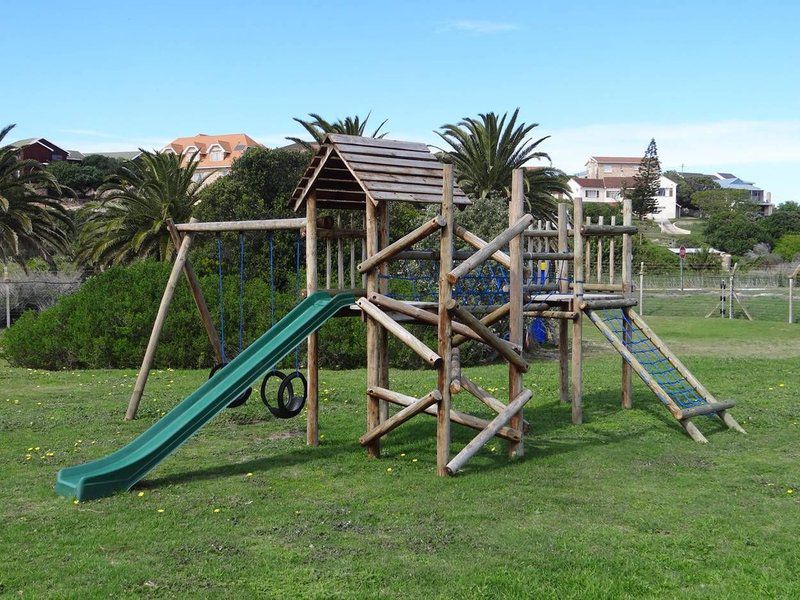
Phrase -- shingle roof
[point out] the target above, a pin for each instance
(118, 155)
(234, 145)
(347, 170)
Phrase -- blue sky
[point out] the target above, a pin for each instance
(716, 83)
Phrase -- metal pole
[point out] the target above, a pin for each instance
(681, 273)
(7, 281)
(730, 297)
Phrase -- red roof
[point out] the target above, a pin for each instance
(233, 146)
(627, 160)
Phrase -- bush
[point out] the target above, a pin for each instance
(657, 259)
(788, 246)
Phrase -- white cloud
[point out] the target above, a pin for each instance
(689, 144)
(482, 27)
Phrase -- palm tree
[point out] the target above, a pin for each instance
(31, 220)
(129, 221)
(484, 152)
(319, 127)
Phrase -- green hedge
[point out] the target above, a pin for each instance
(107, 322)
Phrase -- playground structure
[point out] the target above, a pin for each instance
(576, 278)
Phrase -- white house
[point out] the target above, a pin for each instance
(607, 176)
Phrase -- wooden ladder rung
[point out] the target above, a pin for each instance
(705, 409)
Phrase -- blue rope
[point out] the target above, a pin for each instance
(241, 291)
(652, 359)
(221, 300)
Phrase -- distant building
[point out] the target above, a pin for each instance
(763, 200)
(607, 176)
(215, 153)
(44, 151)
(126, 155)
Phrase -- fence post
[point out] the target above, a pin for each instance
(641, 288)
(791, 300)
(7, 281)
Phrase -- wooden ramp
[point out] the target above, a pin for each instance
(662, 371)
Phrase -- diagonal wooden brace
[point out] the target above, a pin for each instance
(414, 407)
(399, 332)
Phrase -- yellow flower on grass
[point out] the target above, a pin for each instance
(781, 385)
(790, 491)
(249, 475)
(160, 510)
(402, 454)
(389, 470)
(413, 460)
(216, 510)
(140, 494)
(75, 501)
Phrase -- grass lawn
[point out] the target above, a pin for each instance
(624, 505)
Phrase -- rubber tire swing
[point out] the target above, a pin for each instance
(241, 398)
(289, 403)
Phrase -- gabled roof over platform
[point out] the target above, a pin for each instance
(347, 170)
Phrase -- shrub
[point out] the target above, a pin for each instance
(657, 259)
(788, 246)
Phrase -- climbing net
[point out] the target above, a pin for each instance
(651, 358)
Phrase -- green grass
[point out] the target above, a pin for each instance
(763, 305)
(624, 505)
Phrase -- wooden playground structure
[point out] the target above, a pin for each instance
(568, 270)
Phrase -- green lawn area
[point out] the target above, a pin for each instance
(624, 505)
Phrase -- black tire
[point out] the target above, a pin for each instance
(276, 411)
(241, 398)
(292, 404)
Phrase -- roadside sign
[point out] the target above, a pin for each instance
(682, 252)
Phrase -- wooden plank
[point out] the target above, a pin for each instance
(479, 244)
(608, 230)
(627, 287)
(444, 331)
(383, 151)
(541, 233)
(415, 407)
(505, 349)
(489, 249)
(409, 188)
(610, 303)
(262, 225)
(548, 256)
(464, 419)
(514, 408)
(400, 332)
(356, 140)
(401, 244)
(705, 409)
(490, 318)
(158, 325)
(431, 169)
(356, 160)
(419, 314)
(320, 158)
(406, 197)
(563, 326)
(406, 178)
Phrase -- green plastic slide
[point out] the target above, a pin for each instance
(122, 469)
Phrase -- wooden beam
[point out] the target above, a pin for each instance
(464, 419)
(505, 349)
(417, 313)
(516, 328)
(563, 325)
(608, 303)
(608, 230)
(479, 244)
(262, 225)
(158, 324)
(455, 371)
(627, 288)
(577, 325)
(373, 328)
(414, 407)
(403, 243)
(488, 319)
(312, 361)
(197, 294)
(514, 407)
(705, 409)
(399, 332)
(484, 396)
(444, 329)
(489, 249)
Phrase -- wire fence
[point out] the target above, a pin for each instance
(36, 290)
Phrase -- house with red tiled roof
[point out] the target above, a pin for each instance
(214, 153)
(607, 176)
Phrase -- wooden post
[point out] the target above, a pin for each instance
(158, 324)
(328, 263)
(352, 260)
(599, 273)
(563, 324)
(587, 273)
(516, 326)
(611, 257)
(577, 300)
(373, 330)
(445, 328)
(627, 279)
(339, 255)
(197, 294)
(731, 281)
(641, 288)
(791, 299)
(455, 371)
(312, 401)
(383, 288)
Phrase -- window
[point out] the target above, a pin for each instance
(612, 194)
(591, 194)
(608, 169)
(661, 192)
(217, 154)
